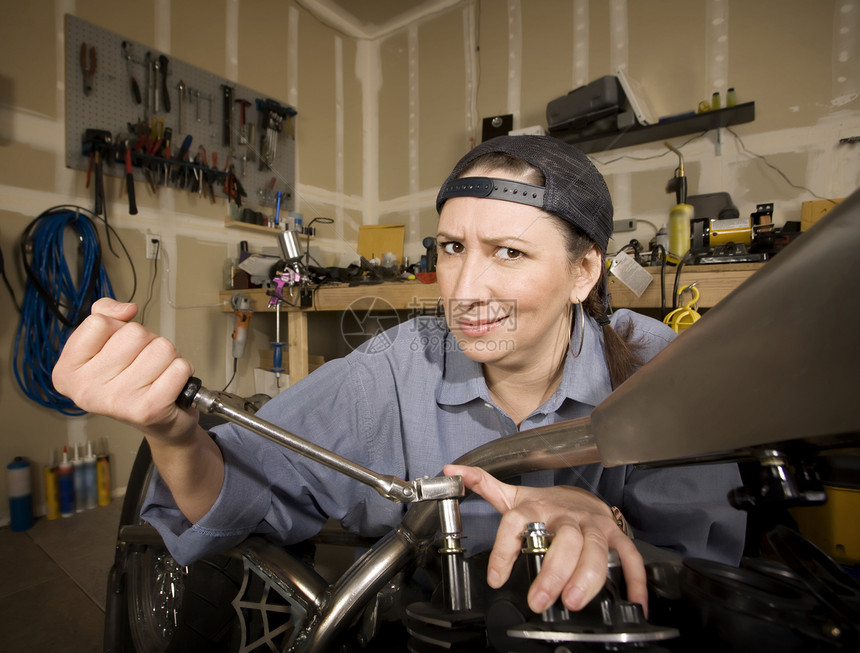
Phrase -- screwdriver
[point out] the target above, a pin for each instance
(278, 348)
(183, 150)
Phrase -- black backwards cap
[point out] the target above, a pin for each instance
(575, 191)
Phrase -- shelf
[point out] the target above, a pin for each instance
(248, 226)
(403, 295)
(639, 134)
(714, 282)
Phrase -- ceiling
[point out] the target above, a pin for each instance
(373, 18)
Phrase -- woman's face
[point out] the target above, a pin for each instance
(507, 282)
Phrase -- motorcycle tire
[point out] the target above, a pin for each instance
(154, 605)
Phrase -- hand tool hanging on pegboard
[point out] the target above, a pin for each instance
(122, 95)
(129, 178)
(272, 115)
(233, 188)
(151, 150)
(88, 67)
(147, 82)
(227, 97)
(156, 67)
(163, 153)
(243, 132)
(176, 174)
(96, 144)
(129, 60)
(165, 96)
(181, 88)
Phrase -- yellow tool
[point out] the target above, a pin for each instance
(685, 316)
(681, 213)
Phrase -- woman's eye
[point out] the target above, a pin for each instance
(509, 253)
(451, 248)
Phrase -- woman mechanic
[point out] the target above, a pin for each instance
(527, 340)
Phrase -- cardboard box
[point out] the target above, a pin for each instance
(812, 212)
(375, 240)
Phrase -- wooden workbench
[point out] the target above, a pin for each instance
(713, 281)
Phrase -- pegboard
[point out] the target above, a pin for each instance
(263, 162)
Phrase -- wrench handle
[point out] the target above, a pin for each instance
(186, 398)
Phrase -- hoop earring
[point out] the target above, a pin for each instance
(573, 309)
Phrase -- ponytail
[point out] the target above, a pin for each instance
(619, 348)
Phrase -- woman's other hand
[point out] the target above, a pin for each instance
(584, 530)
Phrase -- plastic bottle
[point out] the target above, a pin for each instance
(78, 475)
(90, 483)
(52, 487)
(731, 97)
(66, 483)
(715, 101)
(20, 492)
(103, 477)
(661, 238)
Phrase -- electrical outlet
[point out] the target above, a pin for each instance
(153, 245)
(620, 226)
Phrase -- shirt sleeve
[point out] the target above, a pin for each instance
(275, 492)
(686, 509)
(236, 513)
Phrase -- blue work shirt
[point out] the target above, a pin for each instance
(410, 401)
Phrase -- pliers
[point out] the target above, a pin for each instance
(89, 71)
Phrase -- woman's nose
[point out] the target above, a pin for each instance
(473, 282)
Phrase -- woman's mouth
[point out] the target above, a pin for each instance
(477, 328)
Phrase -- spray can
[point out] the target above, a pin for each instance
(103, 477)
(66, 483)
(78, 475)
(20, 494)
(52, 488)
(90, 483)
(679, 232)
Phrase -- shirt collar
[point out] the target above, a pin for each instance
(462, 378)
(585, 378)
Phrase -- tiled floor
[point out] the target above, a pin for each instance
(54, 577)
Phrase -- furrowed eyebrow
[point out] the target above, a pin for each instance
(499, 241)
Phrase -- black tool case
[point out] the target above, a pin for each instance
(593, 107)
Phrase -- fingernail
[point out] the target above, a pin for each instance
(573, 598)
(493, 578)
(540, 601)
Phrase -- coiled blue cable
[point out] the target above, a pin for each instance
(54, 304)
